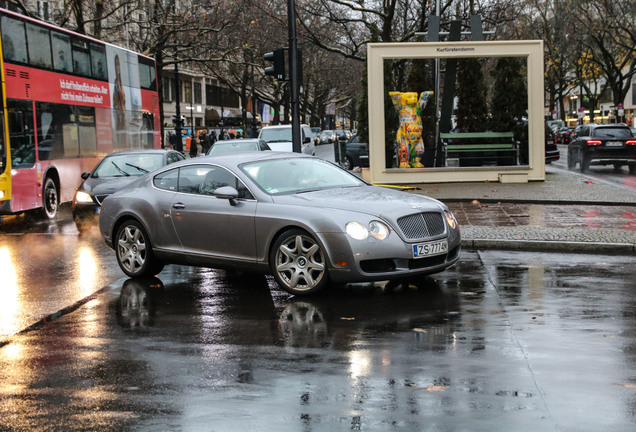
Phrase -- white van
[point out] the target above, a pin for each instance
(279, 138)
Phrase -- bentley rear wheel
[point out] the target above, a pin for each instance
(134, 252)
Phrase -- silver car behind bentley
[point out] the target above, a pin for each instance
(304, 220)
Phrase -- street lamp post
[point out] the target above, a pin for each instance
(222, 109)
(192, 119)
(293, 72)
(177, 129)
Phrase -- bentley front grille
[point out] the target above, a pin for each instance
(422, 225)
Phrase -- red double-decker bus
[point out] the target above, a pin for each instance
(67, 100)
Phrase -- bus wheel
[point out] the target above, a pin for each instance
(49, 198)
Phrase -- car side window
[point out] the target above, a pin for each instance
(167, 180)
(205, 179)
(175, 157)
(191, 177)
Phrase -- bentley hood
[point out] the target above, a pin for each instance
(373, 200)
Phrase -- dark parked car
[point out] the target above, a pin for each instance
(340, 133)
(609, 144)
(354, 153)
(302, 219)
(563, 135)
(552, 153)
(112, 173)
(237, 145)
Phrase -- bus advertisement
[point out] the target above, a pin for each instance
(67, 100)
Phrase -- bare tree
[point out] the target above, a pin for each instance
(608, 42)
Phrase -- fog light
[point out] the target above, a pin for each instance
(450, 219)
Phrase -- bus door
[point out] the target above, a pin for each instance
(25, 186)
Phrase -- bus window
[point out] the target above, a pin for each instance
(61, 51)
(21, 134)
(87, 132)
(81, 58)
(39, 46)
(147, 79)
(57, 131)
(13, 40)
(147, 130)
(98, 62)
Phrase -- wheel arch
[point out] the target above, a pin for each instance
(123, 219)
(279, 233)
(54, 175)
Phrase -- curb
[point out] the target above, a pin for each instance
(551, 246)
(539, 201)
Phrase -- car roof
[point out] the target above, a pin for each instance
(235, 159)
(250, 156)
(284, 126)
(610, 125)
(235, 141)
(143, 151)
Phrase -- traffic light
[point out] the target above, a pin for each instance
(278, 69)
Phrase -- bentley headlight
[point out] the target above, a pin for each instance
(379, 230)
(450, 219)
(356, 230)
(83, 197)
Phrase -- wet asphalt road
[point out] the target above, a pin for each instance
(504, 341)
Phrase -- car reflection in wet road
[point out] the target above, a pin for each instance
(503, 341)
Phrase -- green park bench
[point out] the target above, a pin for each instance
(480, 146)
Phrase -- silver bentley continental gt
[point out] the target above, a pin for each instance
(302, 219)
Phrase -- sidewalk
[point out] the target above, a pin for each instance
(568, 212)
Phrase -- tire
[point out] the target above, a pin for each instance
(618, 167)
(50, 198)
(347, 163)
(571, 161)
(585, 163)
(298, 263)
(632, 168)
(134, 252)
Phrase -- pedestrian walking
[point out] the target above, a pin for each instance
(172, 140)
(193, 147)
(204, 139)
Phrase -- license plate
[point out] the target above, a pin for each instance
(421, 250)
(614, 144)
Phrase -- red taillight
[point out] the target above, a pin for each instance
(630, 142)
(594, 142)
